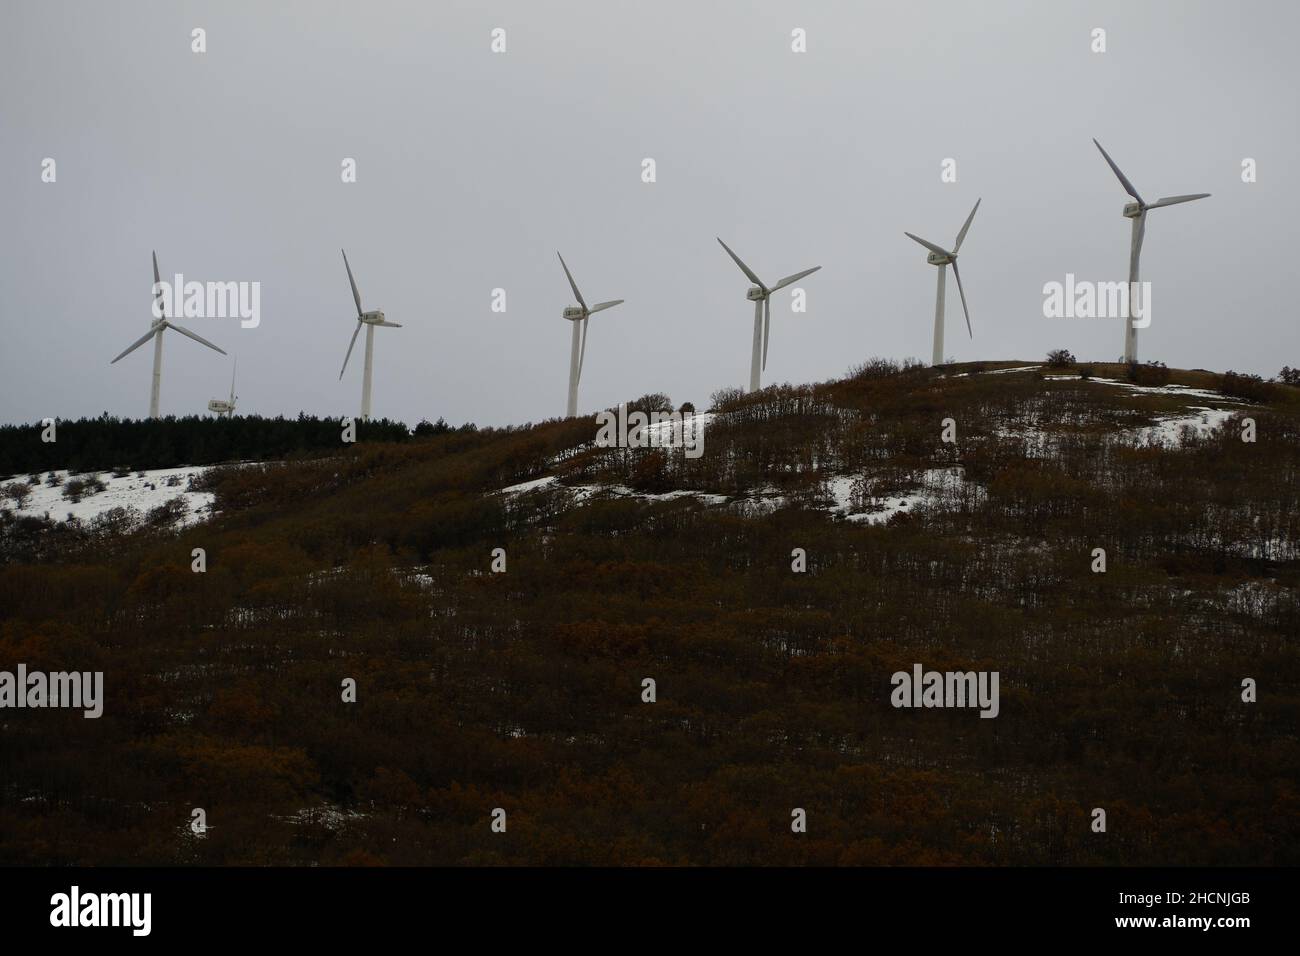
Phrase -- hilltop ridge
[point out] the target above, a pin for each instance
(515, 679)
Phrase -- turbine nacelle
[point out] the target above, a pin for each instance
(375, 317)
(574, 314)
(225, 406)
(937, 260)
(1132, 210)
(756, 293)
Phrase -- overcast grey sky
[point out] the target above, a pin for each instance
(474, 168)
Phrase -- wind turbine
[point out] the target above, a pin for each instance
(943, 258)
(1137, 211)
(219, 407)
(369, 320)
(579, 315)
(761, 296)
(160, 325)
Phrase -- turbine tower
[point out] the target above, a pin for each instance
(369, 320)
(579, 315)
(1137, 211)
(943, 258)
(160, 325)
(761, 296)
(227, 408)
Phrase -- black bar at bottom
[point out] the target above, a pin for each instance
(332, 905)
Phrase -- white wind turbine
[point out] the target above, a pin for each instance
(761, 296)
(369, 320)
(943, 258)
(160, 325)
(220, 406)
(1137, 211)
(578, 316)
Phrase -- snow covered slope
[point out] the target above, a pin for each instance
(143, 491)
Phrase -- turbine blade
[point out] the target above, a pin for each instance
(602, 306)
(197, 338)
(388, 325)
(137, 343)
(929, 245)
(962, 292)
(582, 350)
(743, 268)
(355, 294)
(232, 380)
(767, 327)
(794, 278)
(572, 285)
(157, 281)
(956, 247)
(1128, 186)
(1175, 200)
(355, 332)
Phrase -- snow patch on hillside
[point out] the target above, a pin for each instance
(1171, 432)
(143, 491)
(1185, 391)
(997, 371)
(666, 434)
(534, 485)
(670, 434)
(583, 493)
(327, 815)
(853, 500)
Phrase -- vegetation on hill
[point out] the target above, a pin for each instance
(523, 690)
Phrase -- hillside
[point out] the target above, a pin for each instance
(522, 690)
